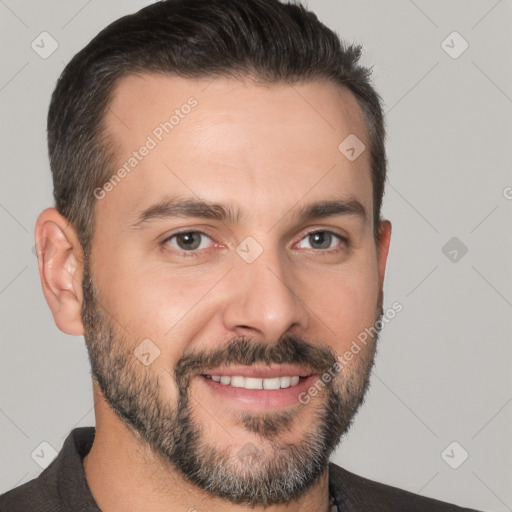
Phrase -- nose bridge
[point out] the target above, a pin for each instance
(263, 299)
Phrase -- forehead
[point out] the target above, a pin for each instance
(263, 146)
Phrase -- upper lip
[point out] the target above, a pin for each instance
(259, 371)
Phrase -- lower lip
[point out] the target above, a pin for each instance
(260, 399)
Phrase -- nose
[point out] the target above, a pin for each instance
(263, 302)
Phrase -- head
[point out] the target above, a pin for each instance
(210, 224)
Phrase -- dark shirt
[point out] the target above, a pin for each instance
(62, 487)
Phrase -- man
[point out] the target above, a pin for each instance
(218, 169)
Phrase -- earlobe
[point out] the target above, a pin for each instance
(59, 256)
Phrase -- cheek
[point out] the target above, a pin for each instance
(161, 304)
(346, 303)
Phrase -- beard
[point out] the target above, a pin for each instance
(270, 471)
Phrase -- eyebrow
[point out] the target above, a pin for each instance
(182, 207)
(179, 207)
(331, 208)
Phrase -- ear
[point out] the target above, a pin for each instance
(60, 261)
(383, 242)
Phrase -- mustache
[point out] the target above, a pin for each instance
(288, 350)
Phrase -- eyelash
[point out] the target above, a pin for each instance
(183, 253)
(343, 242)
(197, 252)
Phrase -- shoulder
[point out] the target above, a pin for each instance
(38, 495)
(359, 493)
(62, 486)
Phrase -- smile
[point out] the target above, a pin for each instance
(238, 381)
(258, 387)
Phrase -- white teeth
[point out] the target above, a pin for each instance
(238, 381)
(274, 383)
(285, 382)
(253, 383)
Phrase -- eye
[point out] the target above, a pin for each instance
(188, 241)
(321, 240)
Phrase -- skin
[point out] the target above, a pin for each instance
(268, 150)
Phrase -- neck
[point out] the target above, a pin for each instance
(124, 474)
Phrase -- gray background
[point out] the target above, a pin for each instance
(443, 367)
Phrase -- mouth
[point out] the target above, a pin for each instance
(239, 381)
(259, 388)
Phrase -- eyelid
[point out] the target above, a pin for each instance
(186, 229)
(164, 244)
(342, 237)
(179, 231)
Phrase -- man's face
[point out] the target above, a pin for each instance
(261, 286)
